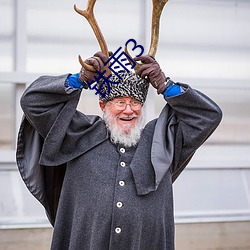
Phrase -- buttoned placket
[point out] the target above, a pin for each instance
(120, 190)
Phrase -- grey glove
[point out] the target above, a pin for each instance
(97, 61)
(151, 69)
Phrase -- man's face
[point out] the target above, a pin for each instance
(126, 118)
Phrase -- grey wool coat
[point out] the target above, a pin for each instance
(99, 195)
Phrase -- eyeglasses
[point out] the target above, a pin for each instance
(121, 105)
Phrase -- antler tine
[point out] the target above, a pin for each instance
(88, 13)
(158, 6)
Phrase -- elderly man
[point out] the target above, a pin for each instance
(107, 183)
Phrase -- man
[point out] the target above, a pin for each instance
(107, 183)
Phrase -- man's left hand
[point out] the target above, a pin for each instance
(152, 70)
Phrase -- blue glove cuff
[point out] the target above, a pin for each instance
(73, 81)
(172, 90)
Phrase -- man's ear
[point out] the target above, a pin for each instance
(102, 105)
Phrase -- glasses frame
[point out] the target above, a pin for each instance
(134, 108)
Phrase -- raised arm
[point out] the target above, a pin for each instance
(197, 117)
(44, 99)
(47, 97)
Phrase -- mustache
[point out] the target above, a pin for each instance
(122, 116)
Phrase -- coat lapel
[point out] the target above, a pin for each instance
(154, 154)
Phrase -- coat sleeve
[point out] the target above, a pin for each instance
(197, 117)
(67, 133)
(44, 99)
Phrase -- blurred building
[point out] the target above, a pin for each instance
(205, 43)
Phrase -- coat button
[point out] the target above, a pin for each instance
(121, 183)
(119, 204)
(118, 230)
(122, 150)
(123, 164)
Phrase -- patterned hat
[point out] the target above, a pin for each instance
(130, 85)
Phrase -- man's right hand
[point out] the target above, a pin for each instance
(97, 61)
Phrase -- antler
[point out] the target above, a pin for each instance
(89, 15)
(158, 6)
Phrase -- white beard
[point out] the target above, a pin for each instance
(127, 139)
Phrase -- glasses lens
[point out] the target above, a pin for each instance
(120, 105)
(135, 105)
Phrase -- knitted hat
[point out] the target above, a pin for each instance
(130, 85)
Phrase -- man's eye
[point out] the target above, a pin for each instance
(135, 103)
(120, 102)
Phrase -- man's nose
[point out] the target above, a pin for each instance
(128, 110)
